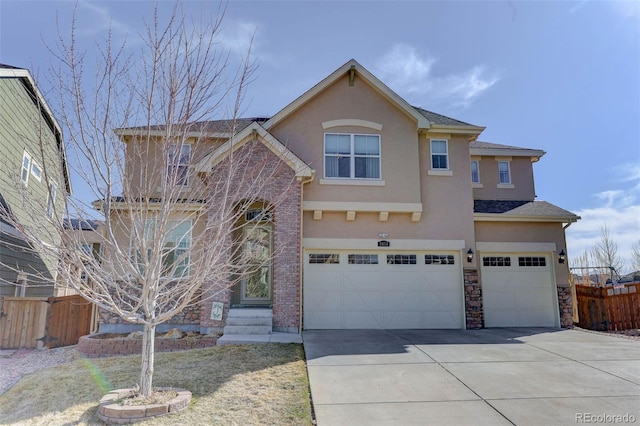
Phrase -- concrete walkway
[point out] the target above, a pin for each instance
(472, 377)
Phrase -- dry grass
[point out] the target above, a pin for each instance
(231, 385)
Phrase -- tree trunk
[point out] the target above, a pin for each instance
(148, 352)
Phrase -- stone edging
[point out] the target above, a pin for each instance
(112, 412)
(96, 348)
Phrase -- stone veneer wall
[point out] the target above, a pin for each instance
(565, 306)
(473, 300)
(187, 320)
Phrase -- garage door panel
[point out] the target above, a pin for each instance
(383, 295)
(518, 296)
(359, 319)
(364, 300)
(324, 319)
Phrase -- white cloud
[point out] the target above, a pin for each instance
(100, 20)
(618, 209)
(411, 75)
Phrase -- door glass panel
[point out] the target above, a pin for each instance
(256, 284)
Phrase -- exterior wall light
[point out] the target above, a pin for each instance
(470, 256)
(562, 256)
(383, 235)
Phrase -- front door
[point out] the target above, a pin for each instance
(257, 253)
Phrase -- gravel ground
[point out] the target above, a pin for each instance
(16, 363)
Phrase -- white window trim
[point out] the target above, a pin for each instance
(508, 184)
(51, 203)
(34, 164)
(171, 226)
(25, 171)
(440, 171)
(352, 161)
(185, 185)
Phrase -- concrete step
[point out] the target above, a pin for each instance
(250, 312)
(250, 321)
(239, 339)
(247, 329)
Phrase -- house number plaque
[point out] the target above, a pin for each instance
(384, 243)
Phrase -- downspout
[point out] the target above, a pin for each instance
(301, 256)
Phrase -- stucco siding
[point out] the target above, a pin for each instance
(521, 177)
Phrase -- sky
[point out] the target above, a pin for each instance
(559, 76)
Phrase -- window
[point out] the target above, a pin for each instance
(51, 200)
(496, 261)
(177, 242)
(178, 164)
(351, 156)
(324, 258)
(532, 261)
(401, 259)
(36, 171)
(438, 259)
(475, 171)
(26, 167)
(504, 172)
(439, 154)
(363, 259)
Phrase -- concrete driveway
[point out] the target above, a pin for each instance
(475, 377)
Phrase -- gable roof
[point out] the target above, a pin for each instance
(300, 168)
(29, 84)
(521, 210)
(425, 119)
(494, 149)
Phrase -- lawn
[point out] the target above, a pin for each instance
(231, 385)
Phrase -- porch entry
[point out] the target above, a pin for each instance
(255, 287)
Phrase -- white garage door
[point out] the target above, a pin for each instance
(518, 291)
(382, 290)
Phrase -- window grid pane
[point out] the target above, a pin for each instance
(503, 168)
(496, 261)
(532, 261)
(401, 259)
(439, 154)
(352, 156)
(439, 259)
(475, 172)
(324, 258)
(363, 259)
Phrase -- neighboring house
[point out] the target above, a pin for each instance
(399, 218)
(33, 181)
(87, 236)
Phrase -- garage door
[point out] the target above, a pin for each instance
(518, 291)
(382, 290)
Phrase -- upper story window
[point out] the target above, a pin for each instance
(439, 154)
(351, 156)
(36, 171)
(504, 173)
(175, 251)
(178, 164)
(475, 171)
(26, 167)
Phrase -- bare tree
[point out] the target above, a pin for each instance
(180, 198)
(635, 256)
(605, 252)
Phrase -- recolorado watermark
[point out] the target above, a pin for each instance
(605, 418)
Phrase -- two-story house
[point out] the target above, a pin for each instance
(34, 178)
(400, 218)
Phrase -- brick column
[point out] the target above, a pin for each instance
(473, 300)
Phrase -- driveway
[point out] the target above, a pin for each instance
(474, 377)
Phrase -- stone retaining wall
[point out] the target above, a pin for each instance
(95, 348)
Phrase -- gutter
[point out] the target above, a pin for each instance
(301, 257)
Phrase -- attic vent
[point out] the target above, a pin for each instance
(258, 215)
(352, 74)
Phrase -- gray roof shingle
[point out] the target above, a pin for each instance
(522, 208)
(440, 119)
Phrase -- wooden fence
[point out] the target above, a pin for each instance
(30, 322)
(22, 322)
(608, 308)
